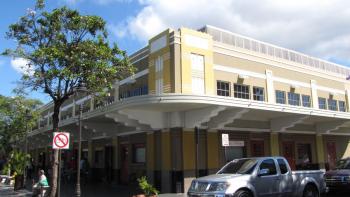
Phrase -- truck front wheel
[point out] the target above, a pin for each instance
(243, 193)
(310, 191)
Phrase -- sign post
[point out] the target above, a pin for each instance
(225, 142)
(60, 141)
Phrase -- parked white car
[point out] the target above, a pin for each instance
(259, 177)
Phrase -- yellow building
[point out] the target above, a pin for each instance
(167, 120)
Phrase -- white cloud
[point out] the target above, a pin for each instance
(22, 66)
(316, 27)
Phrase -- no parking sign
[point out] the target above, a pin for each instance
(60, 140)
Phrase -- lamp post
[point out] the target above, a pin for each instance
(78, 189)
(28, 116)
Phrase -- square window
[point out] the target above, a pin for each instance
(322, 103)
(293, 98)
(241, 91)
(306, 101)
(341, 106)
(223, 88)
(280, 97)
(332, 105)
(139, 153)
(258, 93)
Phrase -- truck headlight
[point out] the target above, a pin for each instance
(193, 186)
(220, 186)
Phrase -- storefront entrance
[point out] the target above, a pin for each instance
(289, 153)
(124, 174)
(331, 155)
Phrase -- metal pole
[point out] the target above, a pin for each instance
(59, 174)
(78, 191)
(197, 149)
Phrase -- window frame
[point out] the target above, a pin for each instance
(274, 163)
(280, 92)
(325, 103)
(241, 86)
(255, 96)
(279, 166)
(344, 106)
(218, 88)
(291, 98)
(134, 156)
(309, 100)
(331, 107)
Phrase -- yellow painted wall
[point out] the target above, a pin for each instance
(150, 151)
(320, 151)
(274, 140)
(186, 70)
(166, 150)
(188, 149)
(212, 150)
(165, 53)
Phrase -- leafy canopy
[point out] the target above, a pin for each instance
(66, 50)
(17, 115)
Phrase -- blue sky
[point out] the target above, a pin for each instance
(310, 27)
(113, 12)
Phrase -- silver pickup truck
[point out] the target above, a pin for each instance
(261, 176)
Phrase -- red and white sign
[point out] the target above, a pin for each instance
(60, 140)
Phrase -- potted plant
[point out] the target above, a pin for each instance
(148, 189)
(17, 164)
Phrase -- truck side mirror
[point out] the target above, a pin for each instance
(264, 172)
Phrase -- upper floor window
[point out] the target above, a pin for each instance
(341, 105)
(258, 93)
(241, 91)
(280, 97)
(332, 105)
(223, 88)
(306, 100)
(197, 65)
(293, 98)
(322, 103)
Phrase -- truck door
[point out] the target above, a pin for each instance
(266, 185)
(285, 184)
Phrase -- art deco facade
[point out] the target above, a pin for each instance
(270, 100)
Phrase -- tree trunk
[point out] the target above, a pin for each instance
(55, 120)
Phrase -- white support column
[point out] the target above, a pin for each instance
(347, 97)
(270, 90)
(314, 95)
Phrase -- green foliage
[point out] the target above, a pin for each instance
(17, 163)
(65, 50)
(17, 115)
(147, 188)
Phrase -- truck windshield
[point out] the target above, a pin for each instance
(343, 164)
(239, 166)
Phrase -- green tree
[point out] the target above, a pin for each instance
(66, 50)
(17, 116)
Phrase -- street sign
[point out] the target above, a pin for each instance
(60, 140)
(225, 140)
(237, 143)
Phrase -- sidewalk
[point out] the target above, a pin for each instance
(90, 190)
(6, 190)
